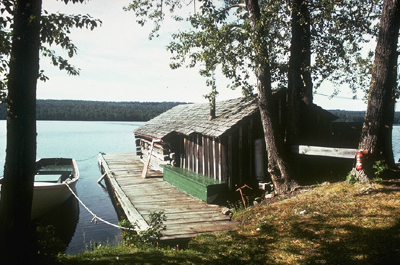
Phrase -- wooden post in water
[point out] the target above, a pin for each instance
(101, 178)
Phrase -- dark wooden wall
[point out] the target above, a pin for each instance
(229, 158)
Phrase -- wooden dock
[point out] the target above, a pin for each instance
(138, 197)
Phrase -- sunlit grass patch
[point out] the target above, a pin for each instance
(333, 223)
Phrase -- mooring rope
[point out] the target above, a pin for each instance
(95, 217)
(80, 160)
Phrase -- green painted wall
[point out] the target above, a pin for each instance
(199, 186)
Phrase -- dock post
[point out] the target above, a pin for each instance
(101, 178)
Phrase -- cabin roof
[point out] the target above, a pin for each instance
(322, 112)
(194, 118)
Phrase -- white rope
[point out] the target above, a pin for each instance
(95, 217)
(81, 160)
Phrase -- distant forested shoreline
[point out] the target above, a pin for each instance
(81, 110)
(357, 116)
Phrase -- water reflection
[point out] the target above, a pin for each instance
(63, 218)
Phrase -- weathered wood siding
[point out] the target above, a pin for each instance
(160, 154)
(229, 158)
(202, 155)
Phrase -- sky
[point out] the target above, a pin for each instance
(118, 62)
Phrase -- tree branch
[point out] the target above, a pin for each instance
(234, 6)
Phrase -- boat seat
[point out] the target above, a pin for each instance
(53, 176)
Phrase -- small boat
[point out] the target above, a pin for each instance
(50, 189)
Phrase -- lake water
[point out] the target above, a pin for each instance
(396, 143)
(83, 141)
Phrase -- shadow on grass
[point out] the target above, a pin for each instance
(234, 248)
(355, 245)
(139, 257)
(342, 225)
(230, 248)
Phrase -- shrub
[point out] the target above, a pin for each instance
(151, 236)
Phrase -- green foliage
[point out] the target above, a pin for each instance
(379, 167)
(351, 178)
(220, 37)
(6, 8)
(339, 30)
(213, 94)
(152, 10)
(146, 238)
(55, 29)
(48, 246)
(153, 234)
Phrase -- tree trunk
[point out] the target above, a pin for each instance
(277, 166)
(299, 76)
(377, 128)
(16, 240)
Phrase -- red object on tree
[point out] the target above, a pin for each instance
(359, 159)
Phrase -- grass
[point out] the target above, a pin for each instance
(337, 223)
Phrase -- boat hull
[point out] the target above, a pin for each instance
(53, 179)
(50, 186)
(47, 197)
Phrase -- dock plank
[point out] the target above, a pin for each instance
(186, 216)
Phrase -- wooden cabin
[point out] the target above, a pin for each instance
(228, 149)
(316, 126)
(221, 148)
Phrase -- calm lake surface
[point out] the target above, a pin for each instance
(83, 141)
